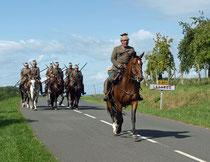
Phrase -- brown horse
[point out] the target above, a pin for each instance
(125, 93)
(74, 90)
(55, 89)
(24, 90)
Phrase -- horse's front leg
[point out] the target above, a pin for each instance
(119, 118)
(67, 97)
(60, 103)
(133, 117)
(27, 101)
(56, 100)
(31, 100)
(35, 103)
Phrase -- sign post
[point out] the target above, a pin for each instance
(161, 99)
(162, 87)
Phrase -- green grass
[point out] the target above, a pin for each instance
(188, 103)
(17, 141)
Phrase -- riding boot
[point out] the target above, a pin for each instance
(140, 98)
(45, 89)
(106, 89)
(83, 93)
(41, 88)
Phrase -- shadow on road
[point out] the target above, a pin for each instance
(151, 134)
(46, 108)
(90, 108)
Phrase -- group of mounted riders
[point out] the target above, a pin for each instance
(121, 88)
(54, 83)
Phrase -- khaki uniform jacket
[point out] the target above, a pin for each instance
(25, 73)
(121, 55)
(35, 72)
(58, 71)
(49, 72)
(78, 75)
(68, 72)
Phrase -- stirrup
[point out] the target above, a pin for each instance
(105, 98)
(140, 98)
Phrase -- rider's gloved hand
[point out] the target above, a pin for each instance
(121, 67)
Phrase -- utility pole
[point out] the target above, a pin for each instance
(94, 88)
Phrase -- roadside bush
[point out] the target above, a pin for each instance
(9, 91)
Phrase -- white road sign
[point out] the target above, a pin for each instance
(162, 87)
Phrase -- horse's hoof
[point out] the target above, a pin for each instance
(115, 133)
(135, 136)
(35, 109)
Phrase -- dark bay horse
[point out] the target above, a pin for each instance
(74, 91)
(125, 93)
(24, 90)
(55, 89)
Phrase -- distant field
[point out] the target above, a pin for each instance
(188, 103)
(17, 141)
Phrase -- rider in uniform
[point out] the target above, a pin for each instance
(35, 72)
(78, 75)
(25, 74)
(121, 56)
(58, 71)
(49, 73)
(68, 74)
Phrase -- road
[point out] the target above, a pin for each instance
(85, 135)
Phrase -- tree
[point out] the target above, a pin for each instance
(194, 48)
(160, 58)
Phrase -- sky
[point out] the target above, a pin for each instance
(86, 31)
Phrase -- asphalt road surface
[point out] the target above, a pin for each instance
(85, 135)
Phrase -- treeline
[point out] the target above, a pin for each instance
(9, 91)
(193, 51)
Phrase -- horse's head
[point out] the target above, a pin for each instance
(136, 68)
(33, 84)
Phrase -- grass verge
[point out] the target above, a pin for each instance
(189, 104)
(17, 141)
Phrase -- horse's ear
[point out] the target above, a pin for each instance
(141, 55)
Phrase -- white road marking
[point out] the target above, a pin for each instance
(189, 156)
(143, 137)
(106, 122)
(90, 116)
(146, 138)
(77, 111)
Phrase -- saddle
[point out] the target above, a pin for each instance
(117, 76)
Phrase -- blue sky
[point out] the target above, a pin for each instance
(85, 31)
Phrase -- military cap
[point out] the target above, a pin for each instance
(51, 64)
(76, 66)
(34, 61)
(70, 63)
(124, 37)
(26, 63)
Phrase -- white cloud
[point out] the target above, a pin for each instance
(40, 58)
(76, 48)
(172, 7)
(100, 76)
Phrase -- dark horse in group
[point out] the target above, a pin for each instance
(73, 92)
(24, 90)
(124, 93)
(54, 90)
